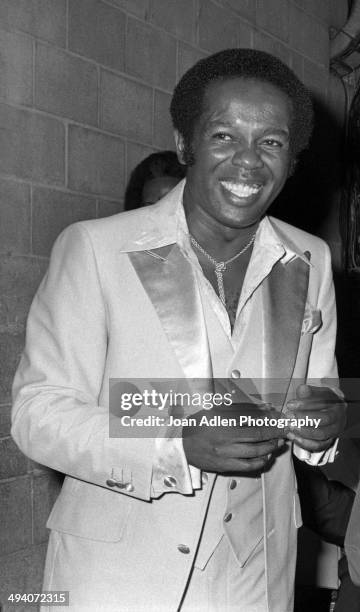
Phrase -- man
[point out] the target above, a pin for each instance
(202, 285)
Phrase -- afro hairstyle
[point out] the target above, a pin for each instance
(188, 98)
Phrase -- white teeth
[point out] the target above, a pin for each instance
(241, 190)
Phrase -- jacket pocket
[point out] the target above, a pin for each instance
(245, 555)
(89, 511)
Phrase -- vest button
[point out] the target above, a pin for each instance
(170, 481)
(204, 478)
(233, 484)
(129, 487)
(111, 482)
(183, 549)
(235, 374)
(227, 517)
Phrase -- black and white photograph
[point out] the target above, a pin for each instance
(179, 305)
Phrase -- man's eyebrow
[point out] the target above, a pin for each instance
(210, 123)
(276, 130)
(217, 123)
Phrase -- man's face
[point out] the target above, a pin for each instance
(241, 151)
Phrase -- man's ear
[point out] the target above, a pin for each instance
(180, 146)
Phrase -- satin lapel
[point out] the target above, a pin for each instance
(284, 295)
(169, 281)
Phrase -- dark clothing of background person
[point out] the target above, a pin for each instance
(326, 507)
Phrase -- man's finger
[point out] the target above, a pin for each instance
(243, 450)
(247, 465)
(309, 433)
(328, 422)
(313, 446)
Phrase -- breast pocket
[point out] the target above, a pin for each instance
(312, 320)
(89, 511)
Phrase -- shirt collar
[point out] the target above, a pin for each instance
(152, 227)
(164, 224)
(268, 236)
(271, 235)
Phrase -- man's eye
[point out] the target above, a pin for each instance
(272, 142)
(222, 136)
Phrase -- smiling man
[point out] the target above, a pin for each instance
(202, 285)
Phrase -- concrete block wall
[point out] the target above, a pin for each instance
(85, 87)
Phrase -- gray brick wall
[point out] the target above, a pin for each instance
(85, 88)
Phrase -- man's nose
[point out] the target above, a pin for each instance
(248, 157)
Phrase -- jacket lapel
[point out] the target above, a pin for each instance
(284, 294)
(170, 283)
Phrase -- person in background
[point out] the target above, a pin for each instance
(326, 507)
(352, 550)
(152, 179)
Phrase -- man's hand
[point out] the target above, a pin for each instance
(231, 448)
(318, 403)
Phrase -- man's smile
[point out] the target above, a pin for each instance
(241, 189)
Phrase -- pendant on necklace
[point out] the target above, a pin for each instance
(219, 269)
(220, 266)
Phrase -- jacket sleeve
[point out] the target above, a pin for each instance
(56, 417)
(325, 504)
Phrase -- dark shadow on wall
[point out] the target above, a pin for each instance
(310, 193)
(308, 201)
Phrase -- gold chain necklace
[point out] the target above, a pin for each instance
(220, 266)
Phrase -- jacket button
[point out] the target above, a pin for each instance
(111, 482)
(184, 549)
(120, 485)
(235, 374)
(227, 517)
(233, 484)
(170, 481)
(129, 487)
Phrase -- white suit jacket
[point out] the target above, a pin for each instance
(96, 316)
